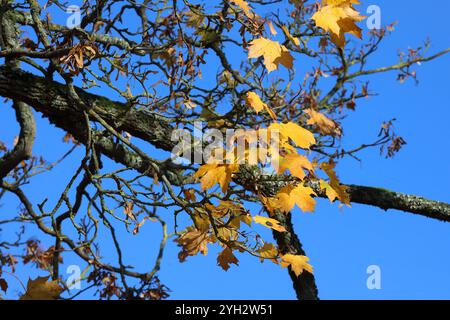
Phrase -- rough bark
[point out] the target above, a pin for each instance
(24, 146)
(288, 242)
(24, 115)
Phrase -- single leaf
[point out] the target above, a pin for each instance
(3, 285)
(269, 223)
(244, 6)
(274, 53)
(341, 190)
(325, 125)
(298, 263)
(192, 242)
(301, 137)
(272, 29)
(256, 103)
(329, 191)
(338, 17)
(296, 164)
(225, 258)
(41, 289)
(189, 194)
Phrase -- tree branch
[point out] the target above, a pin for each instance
(52, 100)
(288, 242)
(386, 200)
(23, 149)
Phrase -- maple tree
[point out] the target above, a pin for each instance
(133, 73)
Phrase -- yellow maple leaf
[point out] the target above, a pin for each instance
(225, 258)
(329, 191)
(212, 173)
(341, 190)
(42, 289)
(274, 53)
(244, 6)
(338, 17)
(325, 125)
(291, 195)
(295, 163)
(256, 103)
(302, 138)
(298, 263)
(269, 223)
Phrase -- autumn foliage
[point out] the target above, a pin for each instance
(130, 75)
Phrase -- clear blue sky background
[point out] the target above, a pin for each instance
(413, 252)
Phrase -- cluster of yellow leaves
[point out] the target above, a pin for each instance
(194, 20)
(292, 195)
(42, 289)
(214, 172)
(194, 239)
(339, 17)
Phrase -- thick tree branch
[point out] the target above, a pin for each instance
(24, 146)
(52, 100)
(24, 115)
(386, 199)
(288, 242)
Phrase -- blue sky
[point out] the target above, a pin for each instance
(413, 252)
